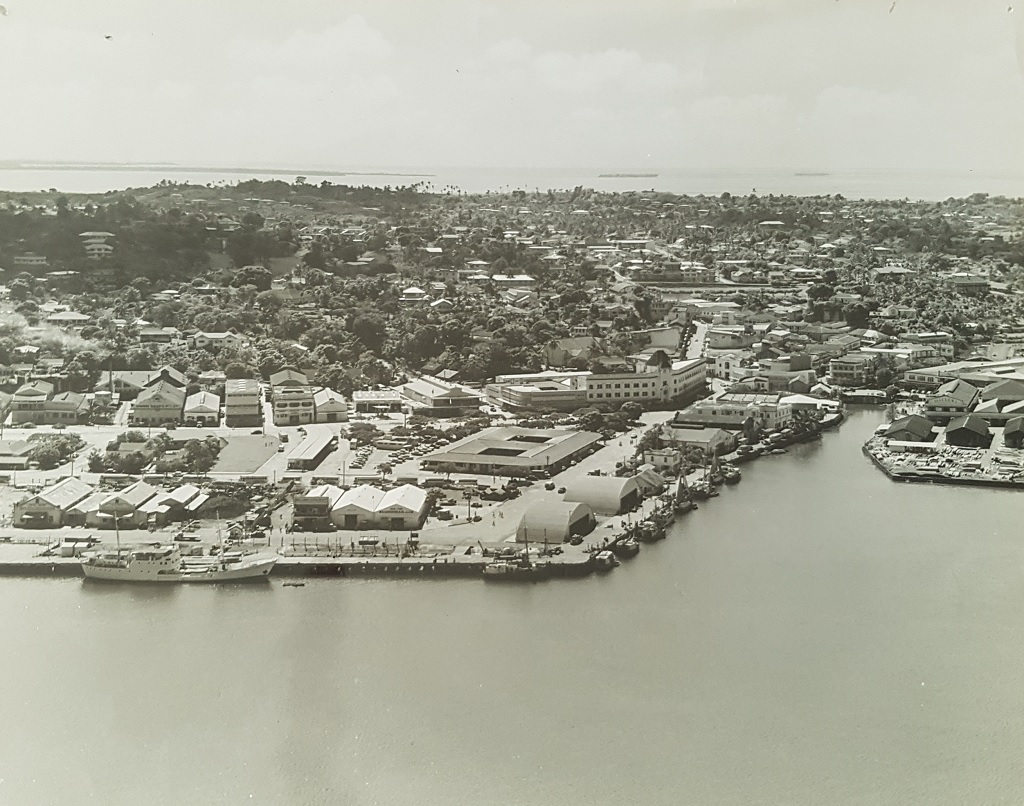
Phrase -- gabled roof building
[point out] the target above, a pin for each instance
(47, 507)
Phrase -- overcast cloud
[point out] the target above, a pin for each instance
(602, 84)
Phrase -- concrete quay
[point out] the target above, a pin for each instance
(40, 567)
(572, 562)
(567, 564)
(953, 475)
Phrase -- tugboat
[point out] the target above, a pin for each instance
(627, 547)
(649, 532)
(515, 569)
(605, 560)
(731, 474)
(511, 571)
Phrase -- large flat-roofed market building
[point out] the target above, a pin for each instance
(508, 451)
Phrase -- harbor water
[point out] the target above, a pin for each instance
(817, 634)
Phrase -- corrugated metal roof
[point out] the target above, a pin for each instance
(64, 494)
(407, 497)
(551, 521)
(363, 497)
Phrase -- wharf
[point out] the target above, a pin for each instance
(435, 557)
(570, 563)
(567, 564)
(40, 567)
(940, 476)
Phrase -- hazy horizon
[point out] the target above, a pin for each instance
(602, 85)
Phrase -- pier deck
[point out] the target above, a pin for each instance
(573, 561)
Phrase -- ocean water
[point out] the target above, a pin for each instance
(881, 185)
(816, 635)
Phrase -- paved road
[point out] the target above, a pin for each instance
(698, 344)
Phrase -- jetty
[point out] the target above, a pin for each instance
(950, 465)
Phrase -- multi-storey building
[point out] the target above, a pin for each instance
(292, 398)
(243, 406)
(653, 378)
(854, 369)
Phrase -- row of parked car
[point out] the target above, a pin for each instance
(418, 450)
(362, 455)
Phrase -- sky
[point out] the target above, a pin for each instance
(610, 85)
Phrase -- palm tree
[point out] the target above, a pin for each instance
(385, 469)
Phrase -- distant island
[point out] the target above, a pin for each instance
(626, 176)
(812, 173)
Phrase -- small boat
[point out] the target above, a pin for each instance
(778, 451)
(649, 532)
(510, 571)
(295, 584)
(702, 490)
(732, 475)
(605, 560)
(627, 547)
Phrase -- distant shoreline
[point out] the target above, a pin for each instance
(91, 178)
(172, 168)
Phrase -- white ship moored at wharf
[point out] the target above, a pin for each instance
(161, 562)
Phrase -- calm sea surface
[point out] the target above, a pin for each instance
(817, 635)
(881, 185)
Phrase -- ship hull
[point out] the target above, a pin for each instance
(113, 574)
(189, 573)
(232, 572)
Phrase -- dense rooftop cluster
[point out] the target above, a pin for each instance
(361, 287)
